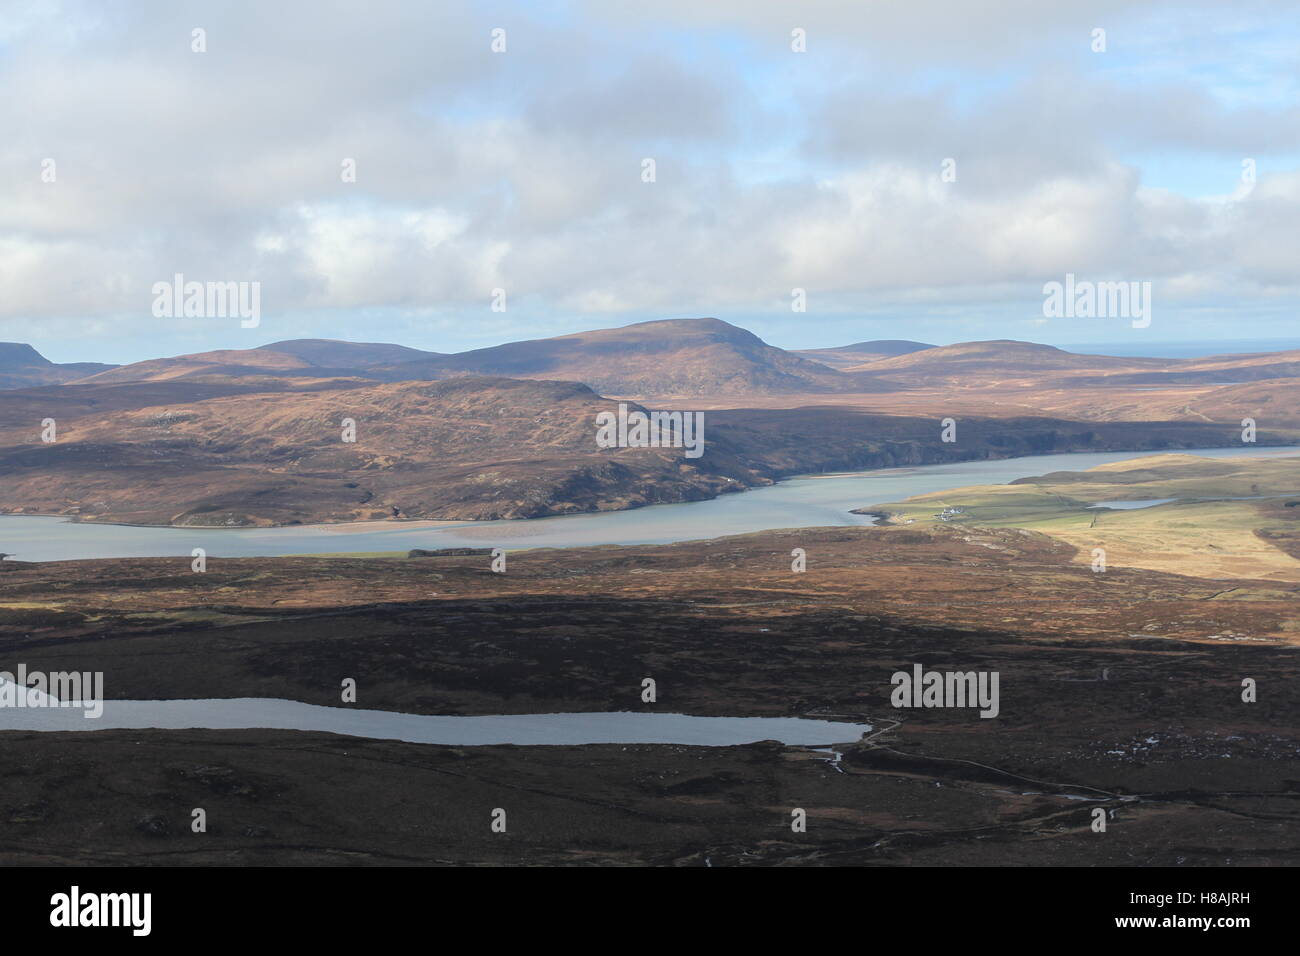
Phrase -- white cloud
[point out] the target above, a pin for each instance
(522, 170)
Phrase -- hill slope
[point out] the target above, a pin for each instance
(466, 448)
(1003, 357)
(21, 366)
(333, 353)
(673, 357)
(863, 353)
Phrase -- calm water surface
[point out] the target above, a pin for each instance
(808, 502)
(249, 713)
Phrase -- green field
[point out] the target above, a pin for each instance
(1203, 533)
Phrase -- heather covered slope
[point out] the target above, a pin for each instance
(332, 353)
(710, 363)
(1120, 690)
(467, 448)
(21, 366)
(675, 357)
(220, 365)
(968, 362)
(984, 364)
(861, 353)
(1215, 370)
(234, 454)
(252, 436)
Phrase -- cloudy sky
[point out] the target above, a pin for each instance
(523, 170)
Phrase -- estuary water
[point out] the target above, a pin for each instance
(811, 501)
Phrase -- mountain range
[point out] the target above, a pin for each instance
(253, 437)
(668, 358)
(673, 358)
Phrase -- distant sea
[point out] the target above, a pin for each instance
(1184, 349)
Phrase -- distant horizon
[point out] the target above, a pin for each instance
(918, 172)
(1186, 348)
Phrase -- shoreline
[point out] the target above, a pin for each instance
(370, 524)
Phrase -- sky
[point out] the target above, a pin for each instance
(1170, 156)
